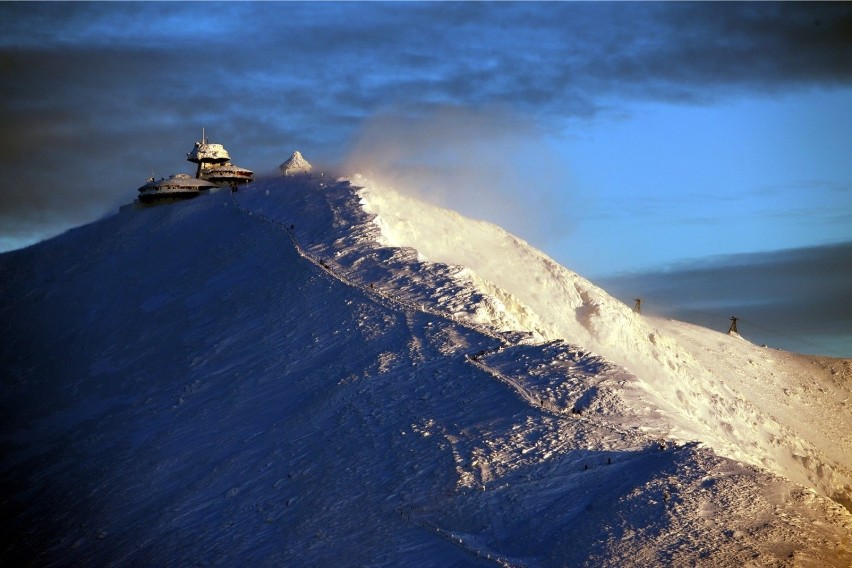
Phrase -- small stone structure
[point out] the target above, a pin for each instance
(295, 165)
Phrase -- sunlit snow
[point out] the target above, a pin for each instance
(702, 382)
(322, 373)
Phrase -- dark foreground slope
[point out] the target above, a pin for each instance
(181, 387)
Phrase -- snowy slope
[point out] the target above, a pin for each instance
(747, 402)
(304, 374)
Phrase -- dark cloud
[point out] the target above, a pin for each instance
(95, 95)
(790, 298)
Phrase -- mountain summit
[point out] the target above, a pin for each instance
(345, 375)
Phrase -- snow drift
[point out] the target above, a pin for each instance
(702, 383)
(312, 373)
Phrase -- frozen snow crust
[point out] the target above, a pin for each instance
(702, 385)
(309, 373)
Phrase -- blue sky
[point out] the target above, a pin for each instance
(618, 137)
(757, 173)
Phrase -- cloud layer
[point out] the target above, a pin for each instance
(792, 299)
(95, 96)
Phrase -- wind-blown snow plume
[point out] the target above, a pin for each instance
(493, 165)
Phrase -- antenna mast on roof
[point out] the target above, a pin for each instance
(203, 137)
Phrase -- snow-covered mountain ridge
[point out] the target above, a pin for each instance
(688, 393)
(304, 374)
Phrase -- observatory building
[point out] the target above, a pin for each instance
(214, 165)
(215, 171)
(176, 187)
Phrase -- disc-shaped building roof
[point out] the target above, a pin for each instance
(229, 174)
(176, 186)
(204, 151)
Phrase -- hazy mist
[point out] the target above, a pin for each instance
(492, 166)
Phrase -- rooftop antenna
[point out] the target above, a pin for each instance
(203, 136)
